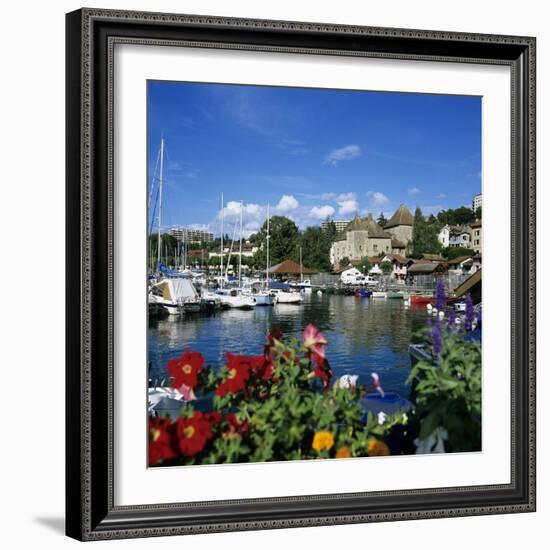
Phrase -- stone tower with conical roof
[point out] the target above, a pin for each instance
(400, 225)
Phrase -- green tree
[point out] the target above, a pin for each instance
(477, 213)
(283, 241)
(382, 221)
(452, 252)
(365, 264)
(424, 239)
(458, 216)
(344, 261)
(168, 251)
(316, 245)
(331, 229)
(386, 267)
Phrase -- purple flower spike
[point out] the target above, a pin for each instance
(451, 320)
(437, 338)
(440, 297)
(469, 314)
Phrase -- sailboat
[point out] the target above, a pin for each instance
(234, 297)
(264, 297)
(173, 293)
(305, 284)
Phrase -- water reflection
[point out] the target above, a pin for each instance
(364, 335)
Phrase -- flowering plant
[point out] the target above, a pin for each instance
(447, 388)
(275, 406)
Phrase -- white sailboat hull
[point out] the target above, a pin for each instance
(288, 298)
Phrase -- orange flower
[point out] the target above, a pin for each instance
(343, 452)
(322, 441)
(376, 447)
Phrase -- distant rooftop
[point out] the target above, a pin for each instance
(402, 216)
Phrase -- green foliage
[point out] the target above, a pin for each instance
(316, 245)
(283, 241)
(425, 236)
(365, 265)
(345, 261)
(331, 229)
(452, 252)
(281, 416)
(386, 267)
(382, 221)
(448, 394)
(169, 248)
(456, 216)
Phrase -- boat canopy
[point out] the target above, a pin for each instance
(167, 272)
(176, 290)
(279, 286)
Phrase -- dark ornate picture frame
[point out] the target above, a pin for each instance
(91, 37)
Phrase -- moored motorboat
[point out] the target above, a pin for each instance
(234, 298)
(394, 295)
(263, 298)
(284, 296)
(174, 295)
(363, 292)
(417, 299)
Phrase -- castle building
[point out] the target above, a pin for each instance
(361, 237)
(364, 237)
(400, 225)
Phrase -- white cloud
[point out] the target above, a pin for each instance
(441, 196)
(348, 207)
(321, 212)
(345, 197)
(328, 196)
(286, 204)
(344, 153)
(413, 191)
(377, 198)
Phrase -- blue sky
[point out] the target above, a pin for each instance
(309, 153)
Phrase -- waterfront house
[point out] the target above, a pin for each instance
(288, 269)
(465, 265)
(455, 236)
(399, 265)
(477, 241)
(432, 258)
(424, 271)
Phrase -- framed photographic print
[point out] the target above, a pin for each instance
(300, 274)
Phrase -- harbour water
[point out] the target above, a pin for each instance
(364, 335)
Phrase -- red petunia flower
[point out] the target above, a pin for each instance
(161, 440)
(235, 381)
(193, 433)
(185, 369)
(240, 368)
(235, 427)
(322, 369)
(314, 340)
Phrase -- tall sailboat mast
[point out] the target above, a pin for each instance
(301, 274)
(267, 252)
(159, 249)
(221, 248)
(241, 246)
